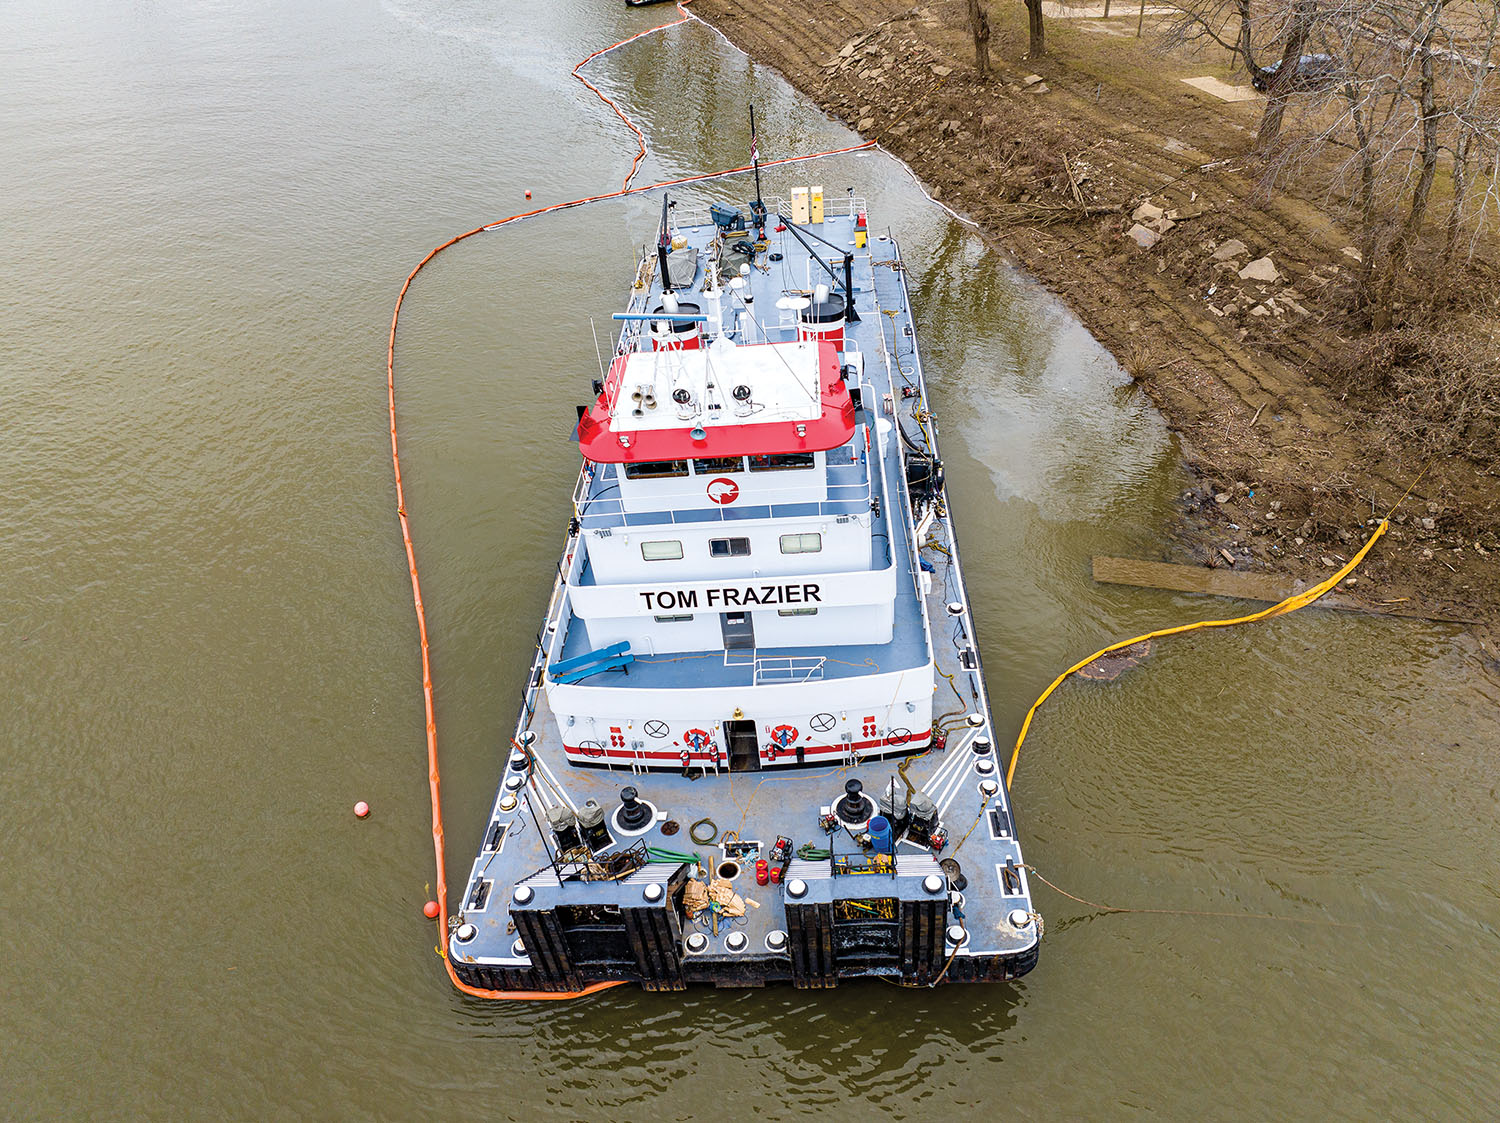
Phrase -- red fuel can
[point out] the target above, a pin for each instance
(762, 872)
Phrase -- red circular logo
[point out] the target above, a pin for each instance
(721, 490)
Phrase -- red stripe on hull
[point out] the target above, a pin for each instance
(699, 759)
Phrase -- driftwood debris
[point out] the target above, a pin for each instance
(1267, 587)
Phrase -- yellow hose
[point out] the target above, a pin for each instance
(1291, 604)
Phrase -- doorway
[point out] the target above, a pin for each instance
(739, 631)
(744, 746)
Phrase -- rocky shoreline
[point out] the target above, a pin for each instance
(1125, 193)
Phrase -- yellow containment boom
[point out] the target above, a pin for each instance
(1291, 604)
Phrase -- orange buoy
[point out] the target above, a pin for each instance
(528, 193)
(361, 809)
(430, 910)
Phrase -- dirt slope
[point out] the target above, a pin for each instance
(1055, 171)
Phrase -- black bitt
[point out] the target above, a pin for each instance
(633, 813)
(852, 808)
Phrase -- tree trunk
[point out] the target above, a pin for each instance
(1369, 245)
(1429, 148)
(1038, 46)
(1286, 77)
(1460, 190)
(1246, 52)
(979, 24)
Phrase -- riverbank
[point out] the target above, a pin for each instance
(1124, 191)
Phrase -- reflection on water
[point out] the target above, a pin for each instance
(208, 212)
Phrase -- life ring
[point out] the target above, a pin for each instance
(698, 738)
(784, 735)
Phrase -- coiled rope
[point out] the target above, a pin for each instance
(434, 779)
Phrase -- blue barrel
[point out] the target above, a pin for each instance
(880, 834)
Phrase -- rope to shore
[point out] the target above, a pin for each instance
(434, 778)
(1189, 912)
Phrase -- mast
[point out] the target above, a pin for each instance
(663, 243)
(757, 208)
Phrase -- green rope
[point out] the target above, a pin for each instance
(662, 855)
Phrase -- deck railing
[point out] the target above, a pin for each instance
(790, 668)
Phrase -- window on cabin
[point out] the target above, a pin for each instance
(796, 612)
(668, 550)
(782, 462)
(718, 465)
(728, 547)
(801, 543)
(656, 469)
(672, 619)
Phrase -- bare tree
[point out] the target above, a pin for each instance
(1232, 25)
(979, 25)
(1478, 127)
(1426, 94)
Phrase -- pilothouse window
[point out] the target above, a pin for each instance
(801, 543)
(718, 465)
(728, 547)
(783, 462)
(667, 550)
(656, 469)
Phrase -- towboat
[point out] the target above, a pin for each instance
(755, 742)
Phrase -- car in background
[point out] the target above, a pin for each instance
(1314, 72)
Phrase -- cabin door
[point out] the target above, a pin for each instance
(744, 746)
(739, 631)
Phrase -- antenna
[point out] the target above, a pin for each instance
(598, 353)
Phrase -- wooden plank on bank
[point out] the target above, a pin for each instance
(1267, 587)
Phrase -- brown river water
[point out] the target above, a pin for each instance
(210, 654)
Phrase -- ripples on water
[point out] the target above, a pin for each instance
(208, 212)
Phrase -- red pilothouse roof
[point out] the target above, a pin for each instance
(611, 433)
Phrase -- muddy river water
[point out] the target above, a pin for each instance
(210, 653)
